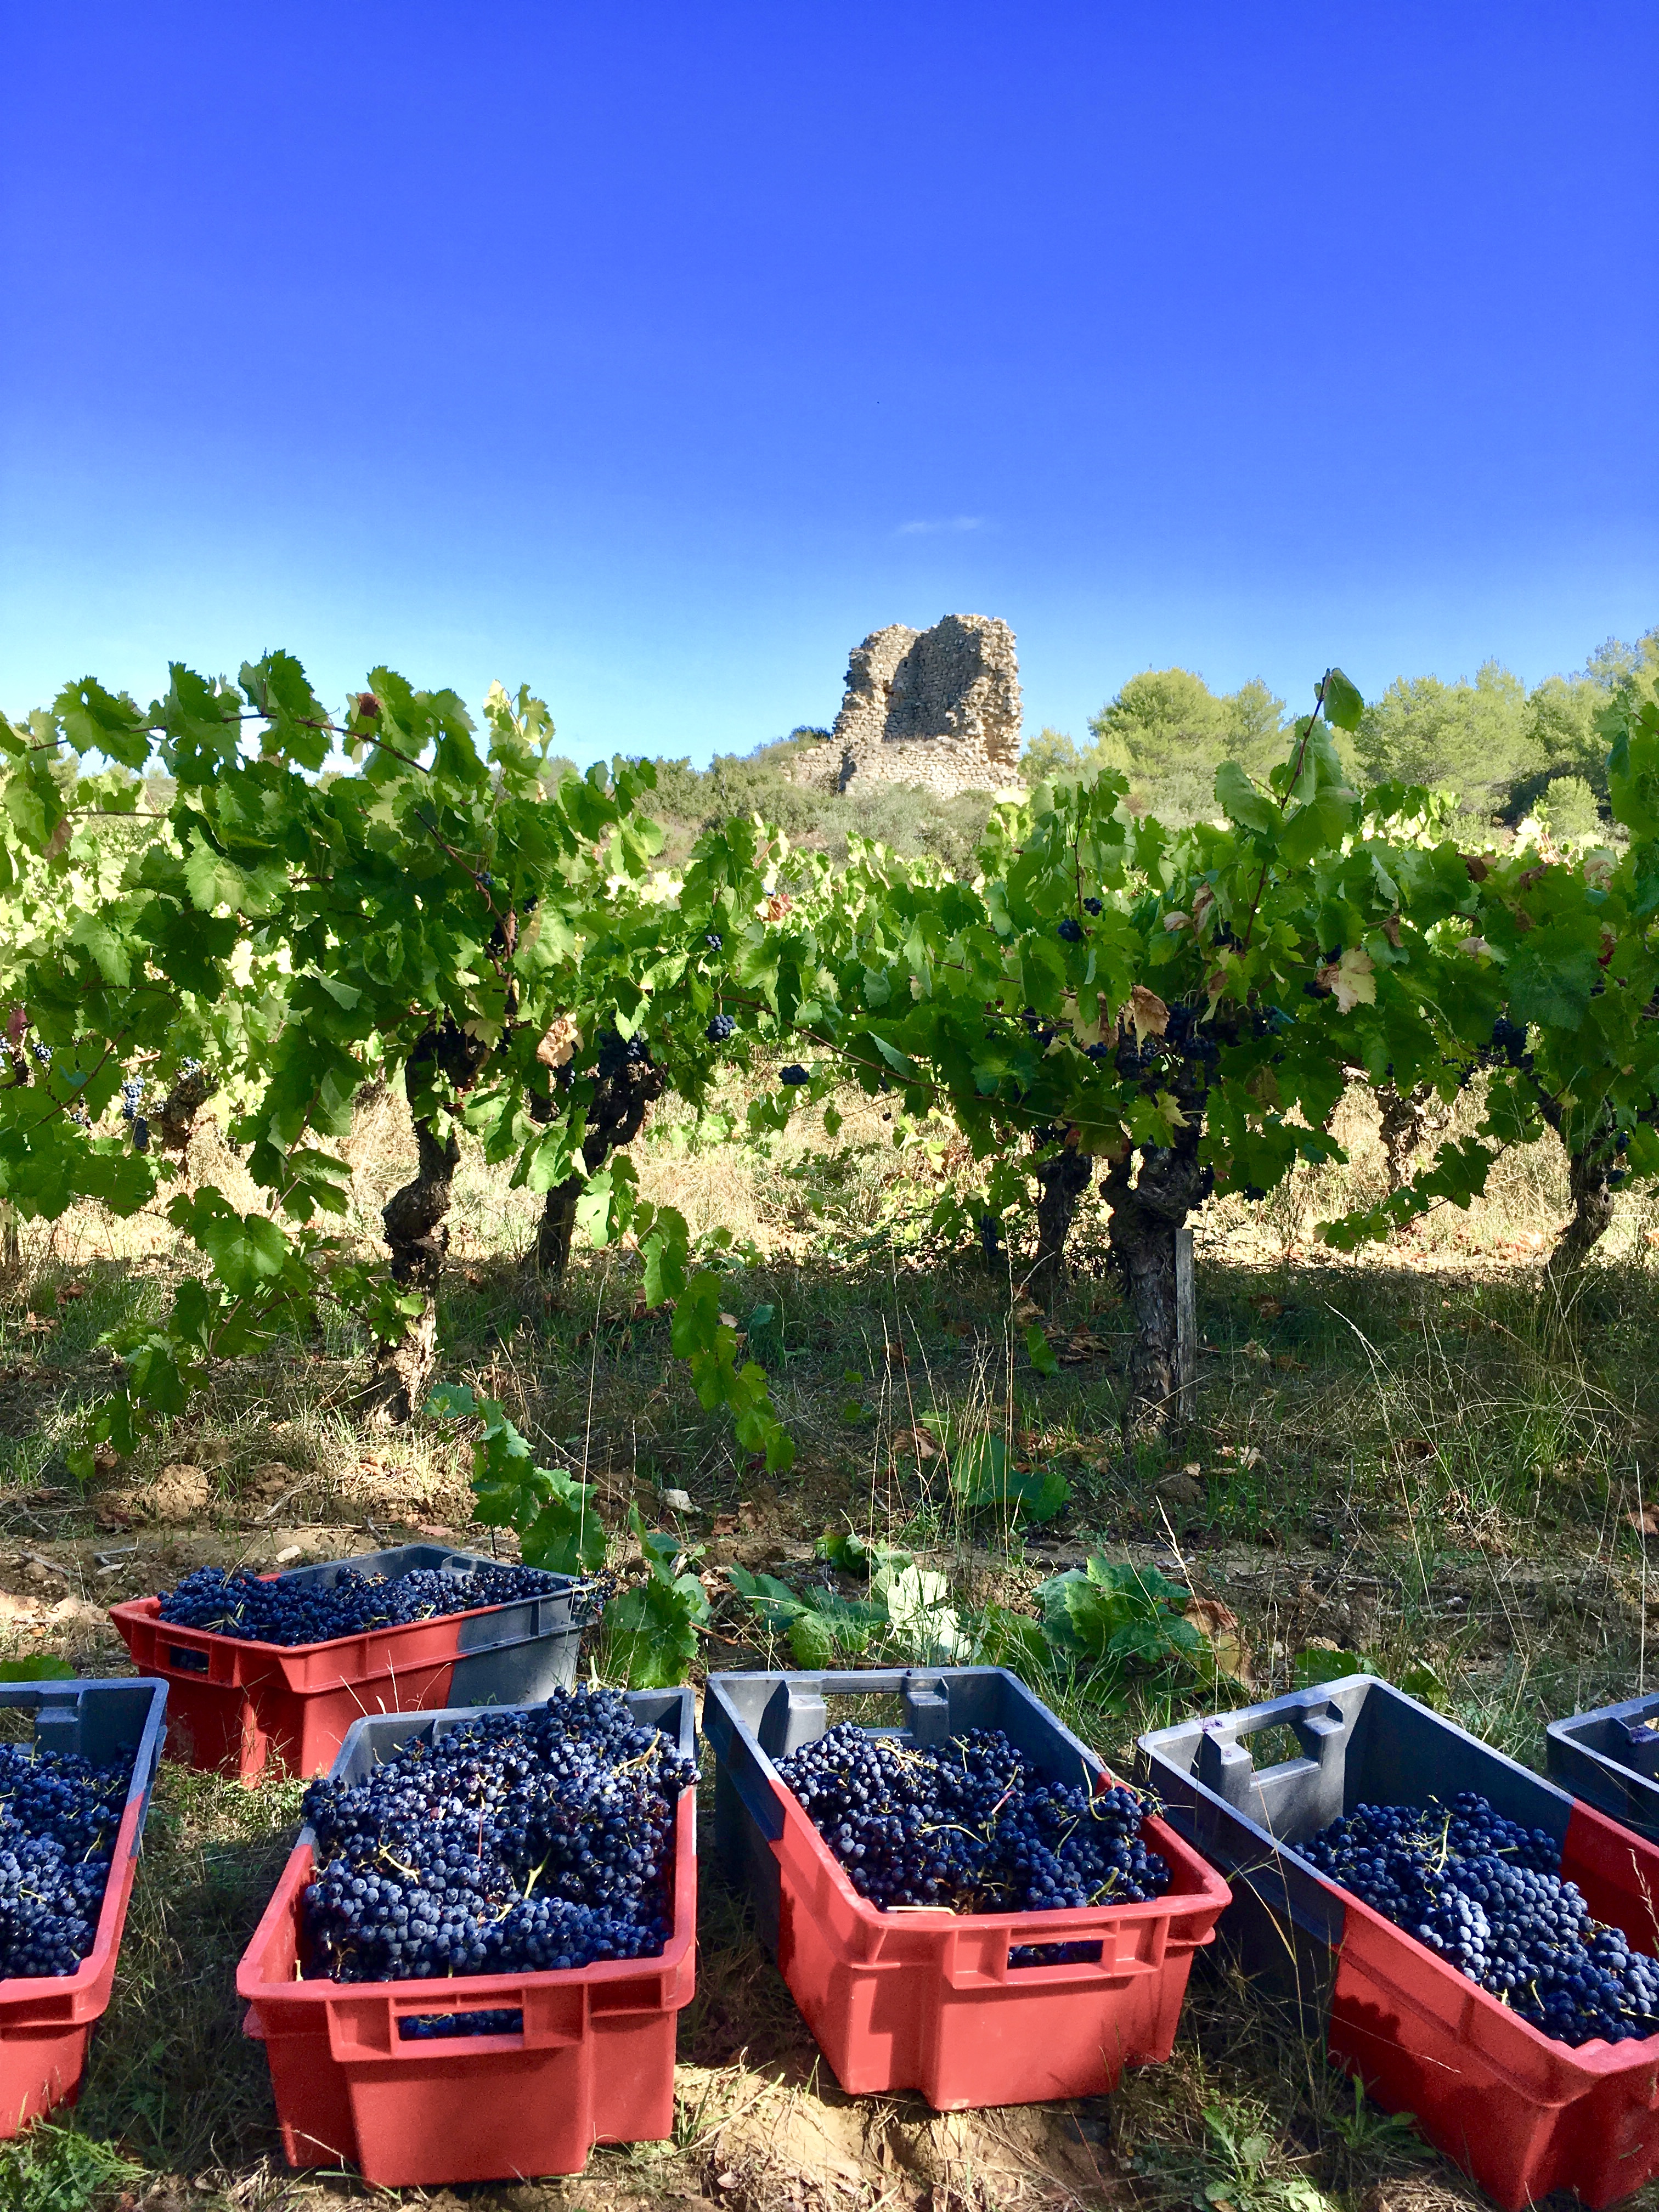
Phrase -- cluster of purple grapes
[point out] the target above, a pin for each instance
(972, 1826)
(520, 1842)
(1487, 1895)
(60, 1818)
(290, 1610)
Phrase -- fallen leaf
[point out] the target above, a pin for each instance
(1290, 1362)
(914, 1444)
(1268, 1308)
(1220, 1623)
(641, 1306)
(1082, 1344)
(1646, 1522)
(1184, 1486)
(68, 1290)
(1414, 1448)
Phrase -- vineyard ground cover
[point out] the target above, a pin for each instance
(1413, 1456)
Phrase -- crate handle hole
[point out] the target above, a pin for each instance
(1273, 1746)
(450, 2027)
(869, 1708)
(193, 1663)
(1022, 1955)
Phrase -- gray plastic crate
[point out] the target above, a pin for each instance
(120, 1722)
(1610, 1758)
(752, 1721)
(1522, 2113)
(539, 2064)
(237, 1704)
(47, 2020)
(1359, 1741)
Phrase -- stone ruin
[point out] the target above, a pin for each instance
(936, 708)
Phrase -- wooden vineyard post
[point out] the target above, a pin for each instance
(1185, 1327)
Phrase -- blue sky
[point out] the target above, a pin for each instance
(654, 354)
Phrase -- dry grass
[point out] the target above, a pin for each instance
(1417, 1455)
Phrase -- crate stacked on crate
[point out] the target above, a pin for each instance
(971, 2002)
(76, 1798)
(1522, 2110)
(428, 2042)
(240, 1702)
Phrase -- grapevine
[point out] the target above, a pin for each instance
(1177, 1012)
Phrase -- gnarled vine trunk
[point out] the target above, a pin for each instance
(1588, 1180)
(416, 1228)
(1062, 1181)
(1146, 1218)
(622, 1089)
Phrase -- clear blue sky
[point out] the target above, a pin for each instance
(656, 354)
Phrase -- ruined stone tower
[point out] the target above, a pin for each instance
(938, 708)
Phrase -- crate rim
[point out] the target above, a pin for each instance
(1593, 2059)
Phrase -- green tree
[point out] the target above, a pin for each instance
(1255, 725)
(1162, 719)
(1051, 756)
(1568, 808)
(1472, 737)
(1168, 732)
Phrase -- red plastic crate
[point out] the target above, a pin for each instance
(594, 2061)
(46, 2020)
(927, 2000)
(1523, 2114)
(236, 1706)
(1519, 2111)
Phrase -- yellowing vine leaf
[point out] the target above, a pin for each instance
(1349, 980)
(1148, 1012)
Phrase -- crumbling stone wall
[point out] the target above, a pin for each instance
(938, 707)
